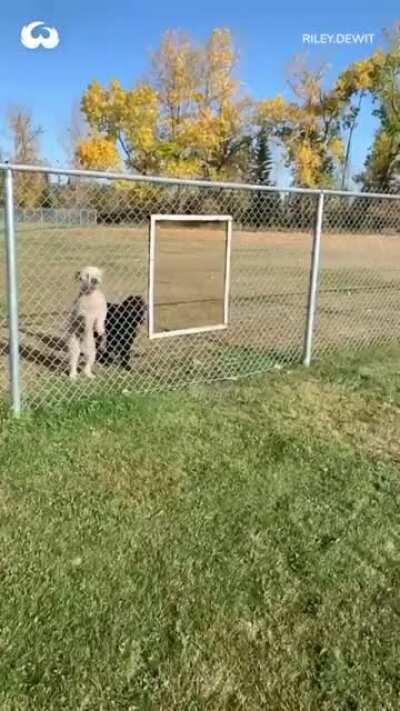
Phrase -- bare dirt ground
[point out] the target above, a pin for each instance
(359, 297)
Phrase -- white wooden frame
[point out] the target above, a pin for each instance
(154, 219)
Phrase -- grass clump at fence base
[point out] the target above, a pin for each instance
(233, 547)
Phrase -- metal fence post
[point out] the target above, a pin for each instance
(313, 287)
(12, 296)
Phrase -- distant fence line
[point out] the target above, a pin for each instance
(53, 216)
(101, 201)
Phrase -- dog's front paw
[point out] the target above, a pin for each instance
(102, 343)
(88, 373)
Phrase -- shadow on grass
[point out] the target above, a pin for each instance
(111, 383)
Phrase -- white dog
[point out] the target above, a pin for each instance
(87, 318)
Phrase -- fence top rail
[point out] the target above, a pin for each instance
(186, 182)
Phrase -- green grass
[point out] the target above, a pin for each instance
(230, 547)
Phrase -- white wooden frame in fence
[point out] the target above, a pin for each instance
(154, 219)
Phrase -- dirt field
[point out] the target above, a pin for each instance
(359, 299)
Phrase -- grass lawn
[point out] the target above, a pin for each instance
(230, 547)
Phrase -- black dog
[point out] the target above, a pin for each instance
(122, 323)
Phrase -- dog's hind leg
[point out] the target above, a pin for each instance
(74, 353)
(125, 355)
(89, 349)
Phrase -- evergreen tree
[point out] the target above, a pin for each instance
(264, 208)
(262, 158)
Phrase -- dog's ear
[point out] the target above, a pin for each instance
(77, 275)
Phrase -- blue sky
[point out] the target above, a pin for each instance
(104, 39)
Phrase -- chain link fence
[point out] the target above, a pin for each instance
(306, 270)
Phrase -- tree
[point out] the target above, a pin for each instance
(358, 80)
(264, 207)
(25, 137)
(75, 132)
(307, 127)
(262, 164)
(98, 152)
(379, 76)
(176, 71)
(382, 164)
(382, 167)
(126, 119)
(189, 119)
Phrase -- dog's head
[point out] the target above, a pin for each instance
(89, 279)
(135, 306)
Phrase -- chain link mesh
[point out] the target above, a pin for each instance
(65, 223)
(359, 293)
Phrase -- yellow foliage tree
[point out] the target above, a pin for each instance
(189, 120)
(30, 188)
(379, 75)
(383, 159)
(98, 153)
(308, 128)
(127, 119)
(360, 76)
(176, 72)
(219, 65)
